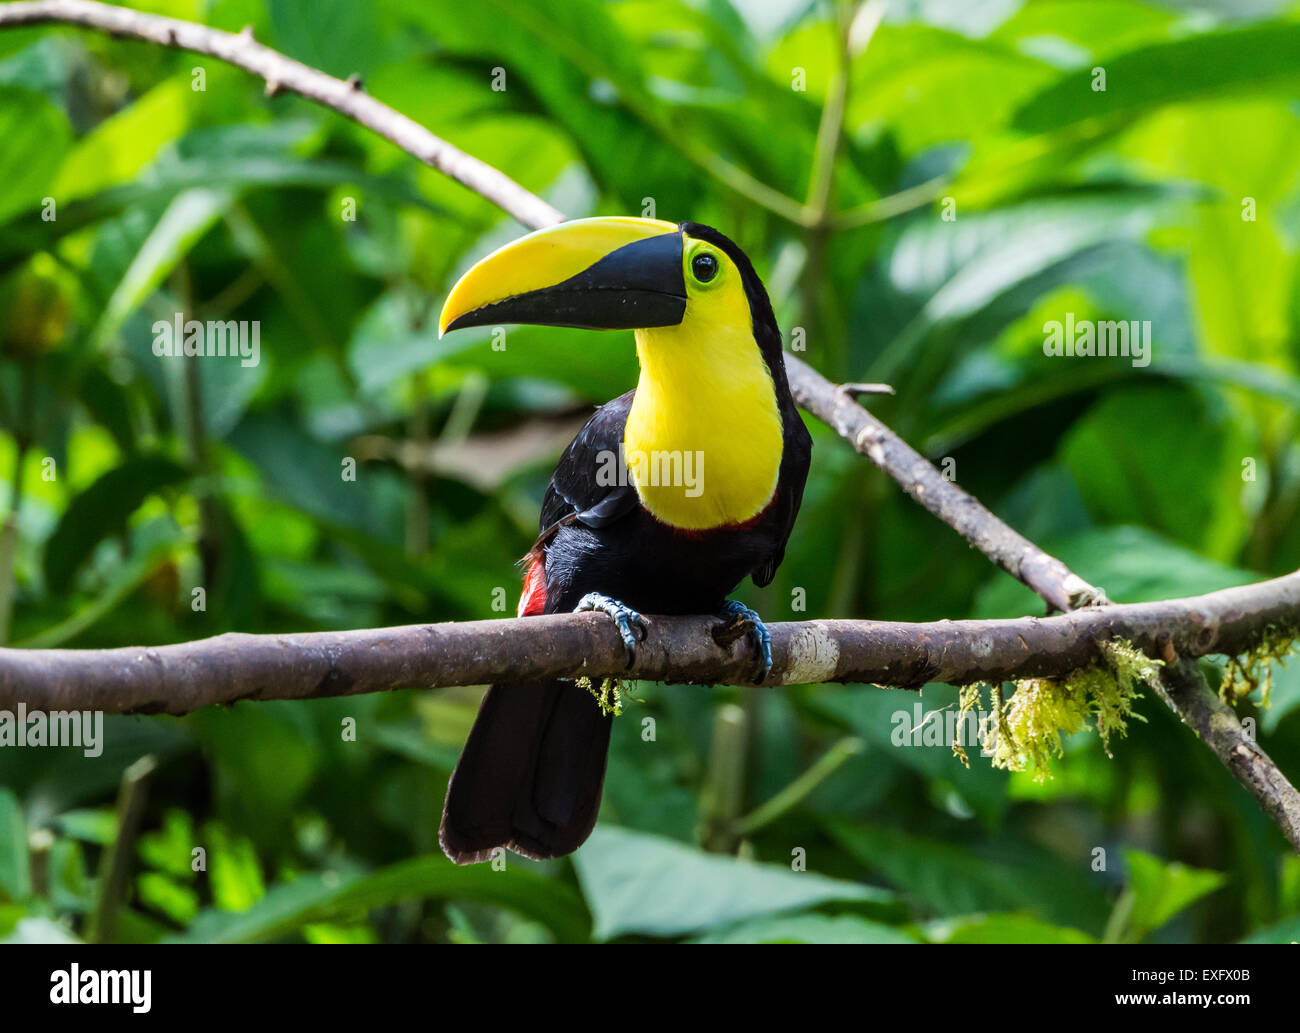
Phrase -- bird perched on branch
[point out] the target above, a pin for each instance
(665, 501)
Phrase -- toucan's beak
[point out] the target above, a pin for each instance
(596, 274)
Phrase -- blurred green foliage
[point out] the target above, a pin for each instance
(139, 479)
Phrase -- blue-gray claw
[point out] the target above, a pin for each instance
(623, 615)
(739, 611)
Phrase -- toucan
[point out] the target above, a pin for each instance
(668, 497)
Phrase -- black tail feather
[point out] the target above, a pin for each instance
(530, 776)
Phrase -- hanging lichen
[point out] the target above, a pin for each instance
(968, 702)
(1113, 701)
(608, 694)
(1028, 728)
(1254, 669)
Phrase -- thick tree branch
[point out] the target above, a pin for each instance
(178, 678)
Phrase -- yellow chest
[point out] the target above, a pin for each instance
(703, 440)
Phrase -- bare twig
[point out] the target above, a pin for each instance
(856, 390)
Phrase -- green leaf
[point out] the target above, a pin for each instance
(1161, 457)
(941, 273)
(806, 928)
(638, 883)
(289, 906)
(933, 87)
(572, 59)
(1285, 931)
(305, 472)
(97, 825)
(15, 878)
(102, 510)
(1161, 889)
(118, 148)
(67, 779)
(162, 183)
(35, 135)
(234, 873)
(958, 877)
(1261, 57)
(153, 545)
(169, 849)
(1004, 928)
(337, 36)
(181, 226)
(70, 886)
(264, 759)
(177, 902)
(1097, 27)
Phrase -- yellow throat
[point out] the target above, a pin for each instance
(703, 440)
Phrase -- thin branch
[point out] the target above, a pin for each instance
(890, 206)
(179, 679)
(1184, 690)
(821, 176)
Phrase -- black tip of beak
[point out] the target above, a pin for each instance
(637, 286)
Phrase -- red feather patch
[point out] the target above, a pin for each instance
(533, 599)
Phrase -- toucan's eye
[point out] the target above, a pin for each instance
(704, 267)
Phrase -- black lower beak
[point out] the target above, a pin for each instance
(637, 286)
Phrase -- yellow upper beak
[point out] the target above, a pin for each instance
(601, 273)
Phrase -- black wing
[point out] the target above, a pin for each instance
(590, 484)
(794, 472)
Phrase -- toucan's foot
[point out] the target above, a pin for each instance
(623, 615)
(739, 612)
